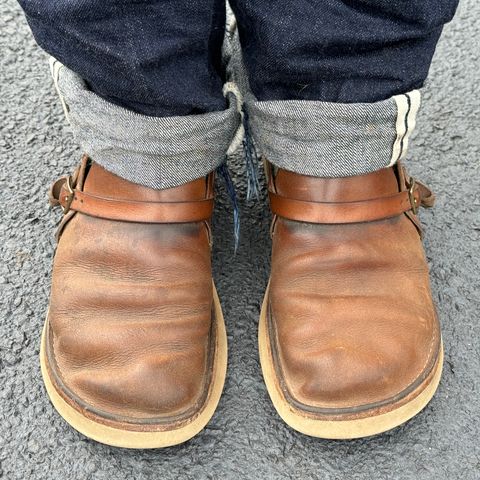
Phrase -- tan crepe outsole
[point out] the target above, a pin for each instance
(130, 439)
(336, 429)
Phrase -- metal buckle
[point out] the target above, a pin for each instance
(68, 198)
(411, 195)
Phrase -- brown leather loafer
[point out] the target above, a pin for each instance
(349, 339)
(134, 350)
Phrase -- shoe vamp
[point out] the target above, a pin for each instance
(130, 315)
(353, 318)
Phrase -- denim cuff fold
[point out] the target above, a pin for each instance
(157, 152)
(324, 139)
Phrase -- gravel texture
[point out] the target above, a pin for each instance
(246, 439)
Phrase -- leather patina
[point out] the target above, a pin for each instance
(353, 327)
(130, 333)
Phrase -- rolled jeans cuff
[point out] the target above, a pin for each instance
(157, 152)
(324, 139)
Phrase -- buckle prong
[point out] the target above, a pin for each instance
(411, 195)
(68, 198)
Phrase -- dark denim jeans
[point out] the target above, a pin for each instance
(163, 57)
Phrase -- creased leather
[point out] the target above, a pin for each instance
(353, 321)
(130, 310)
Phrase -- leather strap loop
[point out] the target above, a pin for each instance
(426, 195)
(54, 192)
(64, 194)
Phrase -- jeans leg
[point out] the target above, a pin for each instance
(335, 82)
(154, 57)
(141, 83)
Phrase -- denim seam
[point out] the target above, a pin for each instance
(326, 139)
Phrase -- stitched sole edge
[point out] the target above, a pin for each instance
(337, 429)
(130, 439)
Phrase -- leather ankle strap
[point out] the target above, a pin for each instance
(65, 193)
(411, 196)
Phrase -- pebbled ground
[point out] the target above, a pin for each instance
(246, 439)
